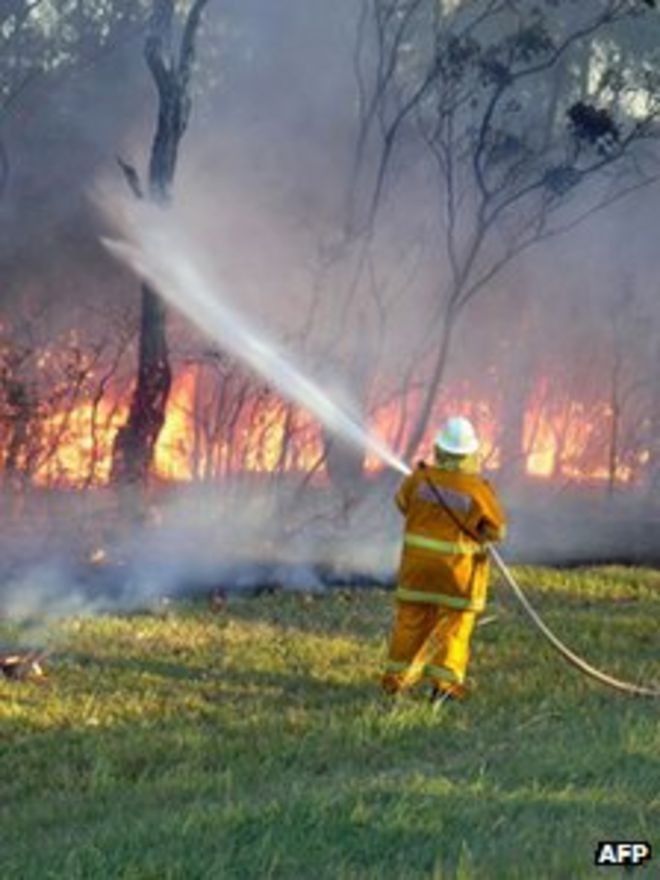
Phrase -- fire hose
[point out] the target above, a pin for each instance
(574, 659)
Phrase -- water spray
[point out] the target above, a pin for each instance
(165, 260)
(162, 257)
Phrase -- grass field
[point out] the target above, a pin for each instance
(253, 743)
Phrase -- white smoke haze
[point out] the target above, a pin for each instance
(259, 216)
(239, 539)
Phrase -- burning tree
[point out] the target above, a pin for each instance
(172, 71)
(508, 149)
(44, 45)
(517, 110)
(61, 396)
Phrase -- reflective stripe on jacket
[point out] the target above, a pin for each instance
(439, 562)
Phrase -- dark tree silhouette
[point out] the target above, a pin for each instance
(135, 441)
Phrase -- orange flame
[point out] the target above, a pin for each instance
(76, 445)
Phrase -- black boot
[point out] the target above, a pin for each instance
(439, 697)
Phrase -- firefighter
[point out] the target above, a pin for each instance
(450, 513)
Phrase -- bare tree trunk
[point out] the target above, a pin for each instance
(135, 442)
(21, 407)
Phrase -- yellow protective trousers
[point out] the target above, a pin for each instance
(429, 641)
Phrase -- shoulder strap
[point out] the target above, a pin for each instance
(447, 509)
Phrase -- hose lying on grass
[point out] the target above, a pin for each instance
(579, 663)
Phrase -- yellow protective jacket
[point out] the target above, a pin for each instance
(440, 564)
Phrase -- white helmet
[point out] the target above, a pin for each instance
(457, 437)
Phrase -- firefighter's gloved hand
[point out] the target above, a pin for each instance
(487, 533)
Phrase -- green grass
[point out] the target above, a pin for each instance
(254, 743)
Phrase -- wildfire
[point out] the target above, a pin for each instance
(173, 456)
(270, 435)
(560, 443)
(76, 445)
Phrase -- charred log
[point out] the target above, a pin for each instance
(20, 665)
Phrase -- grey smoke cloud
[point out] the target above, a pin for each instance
(262, 193)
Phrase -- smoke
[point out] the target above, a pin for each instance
(244, 538)
(263, 183)
(158, 253)
(263, 193)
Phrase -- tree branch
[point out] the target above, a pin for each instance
(187, 52)
(132, 178)
(157, 50)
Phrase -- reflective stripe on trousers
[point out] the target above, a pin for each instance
(441, 672)
(403, 594)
